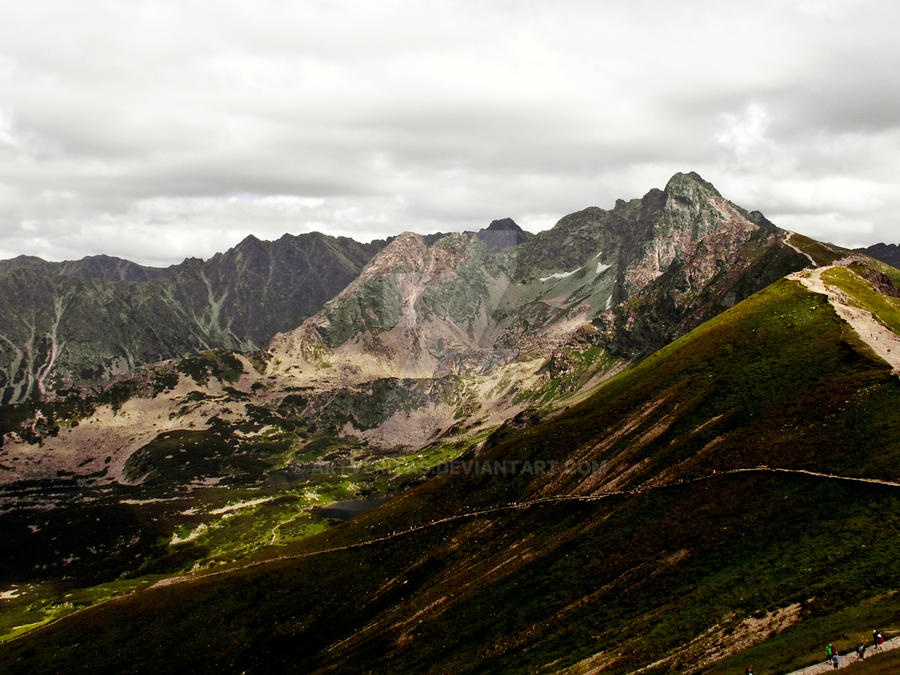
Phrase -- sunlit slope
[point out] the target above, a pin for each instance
(721, 494)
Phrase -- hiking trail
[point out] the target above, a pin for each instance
(883, 341)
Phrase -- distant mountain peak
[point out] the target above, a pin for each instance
(503, 224)
(501, 234)
(886, 253)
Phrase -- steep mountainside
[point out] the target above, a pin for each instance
(731, 499)
(887, 253)
(65, 324)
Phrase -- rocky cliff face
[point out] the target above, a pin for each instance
(414, 311)
(510, 327)
(82, 322)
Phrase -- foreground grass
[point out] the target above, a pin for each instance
(39, 604)
(878, 664)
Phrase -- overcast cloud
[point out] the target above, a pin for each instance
(159, 130)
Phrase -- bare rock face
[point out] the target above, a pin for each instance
(414, 311)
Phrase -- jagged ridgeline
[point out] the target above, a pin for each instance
(632, 278)
(82, 322)
(886, 253)
(489, 324)
(678, 255)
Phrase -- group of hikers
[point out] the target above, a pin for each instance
(832, 657)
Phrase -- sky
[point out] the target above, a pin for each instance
(160, 130)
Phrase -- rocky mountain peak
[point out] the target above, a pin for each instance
(690, 187)
(405, 253)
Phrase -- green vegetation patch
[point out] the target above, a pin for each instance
(219, 363)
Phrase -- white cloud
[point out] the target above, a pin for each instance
(746, 132)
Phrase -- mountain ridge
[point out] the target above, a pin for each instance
(236, 300)
(886, 253)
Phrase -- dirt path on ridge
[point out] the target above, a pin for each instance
(881, 339)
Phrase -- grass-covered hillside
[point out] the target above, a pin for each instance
(732, 499)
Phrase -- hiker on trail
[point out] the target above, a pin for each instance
(860, 651)
(836, 660)
(829, 652)
(877, 640)
(749, 671)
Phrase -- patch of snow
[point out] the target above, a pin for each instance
(601, 268)
(609, 301)
(560, 275)
(598, 255)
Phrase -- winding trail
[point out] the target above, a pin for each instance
(787, 242)
(881, 339)
(465, 515)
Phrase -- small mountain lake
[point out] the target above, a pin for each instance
(349, 508)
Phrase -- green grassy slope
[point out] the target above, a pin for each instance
(682, 571)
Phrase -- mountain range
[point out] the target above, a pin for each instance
(887, 253)
(596, 448)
